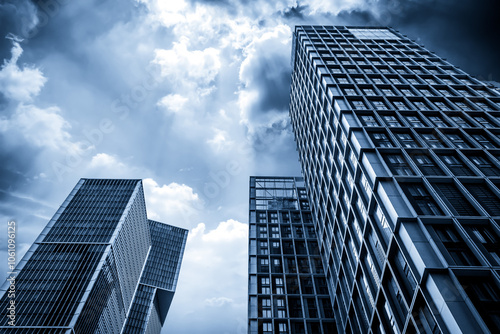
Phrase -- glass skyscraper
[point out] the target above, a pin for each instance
(99, 266)
(400, 151)
(287, 285)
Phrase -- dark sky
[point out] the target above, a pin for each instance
(190, 95)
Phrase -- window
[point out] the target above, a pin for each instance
(432, 140)
(373, 33)
(485, 296)
(455, 246)
(438, 121)
(267, 327)
(455, 164)
(407, 92)
(369, 92)
(484, 106)
(460, 121)
(265, 285)
(379, 105)
(441, 105)
(369, 120)
(487, 240)
(484, 122)
(357, 104)
(266, 308)
(275, 232)
(391, 121)
(455, 200)
(349, 91)
(483, 141)
(425, 320)
(388, 92)
(400, 105)
(406, 140)
(282, 328)
(263, 247)
(484, 164)
(427, 165)
(398, 165)
(422, 201)
(457, 140)
(279, 285)
(421, 105)
(462, 106)
(415, 122)
(381, 140)
(425, 92)
(485, 197)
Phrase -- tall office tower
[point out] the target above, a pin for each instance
(400, 153)
(287, 285)
(99, 266)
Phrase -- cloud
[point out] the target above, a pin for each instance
(220, 141)
(103, 160)
(43, 128)
(333, 7)
(193, 68)
(213, 278)
(18, 18)
(169, 13)
(265, 75)
(218, 301)
(16, 83)
(173, 102)
(175, 204)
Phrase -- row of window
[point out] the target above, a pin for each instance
(406, 138)
(412, 119)
(431, 164)
(456, 195)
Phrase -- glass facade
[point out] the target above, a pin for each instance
(400, 154)
(287, 285)
(82, 273)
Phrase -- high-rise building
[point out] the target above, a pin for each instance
(287, 285)
(400, 151)
(99, 266)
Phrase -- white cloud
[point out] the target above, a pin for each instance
(193, 68)
(220, 141)
(20, 84)
(44, 128)
(175, 204)
(218, 301)
(333, 7)
(173, 102)
(169, 13)
(103, 160)
(213, 278)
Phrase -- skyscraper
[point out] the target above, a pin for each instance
(99, 266)
(400, 154)
(287, 285)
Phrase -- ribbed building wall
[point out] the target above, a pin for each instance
(400, 153)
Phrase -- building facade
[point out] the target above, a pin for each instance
(99, 266)
(287, 285)
(400, 151)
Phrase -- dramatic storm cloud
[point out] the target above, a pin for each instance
(192, 97)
